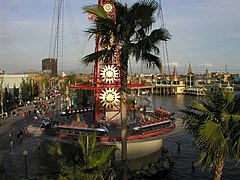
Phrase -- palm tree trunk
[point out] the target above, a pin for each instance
(219, 168)
(124, 124)
(124, 134)
(124, 73)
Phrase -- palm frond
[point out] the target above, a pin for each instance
(106, 55)
(213, 143)
(214, 123)
(160, 34)
(96, 10)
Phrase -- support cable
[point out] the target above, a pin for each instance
(165, 50)
(62, 36)
(52, 28)
(79, 49)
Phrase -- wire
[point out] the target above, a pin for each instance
(165, 49)
(52, 27)
(62, 36)
(79, 49)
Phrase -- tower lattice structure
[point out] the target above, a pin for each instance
(106, 75)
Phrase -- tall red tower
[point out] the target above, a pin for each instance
(106, 75)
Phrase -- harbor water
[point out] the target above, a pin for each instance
(185, 156)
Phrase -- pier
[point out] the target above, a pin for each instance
(159, 89)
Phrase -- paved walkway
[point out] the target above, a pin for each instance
(14, 160)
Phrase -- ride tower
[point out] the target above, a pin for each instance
(106, 74)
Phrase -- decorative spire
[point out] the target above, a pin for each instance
(175, 75)
(189, 68)
(189, 71)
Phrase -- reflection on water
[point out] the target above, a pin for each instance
(187, 154)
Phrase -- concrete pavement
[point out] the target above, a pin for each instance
(14, 160)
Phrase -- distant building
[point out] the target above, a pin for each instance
(50, 64)
(189, 81)
(13, 80)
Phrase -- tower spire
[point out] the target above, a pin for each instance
(189, 68)
(175, 75)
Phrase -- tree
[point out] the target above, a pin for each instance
(84, 98)
(7, 100)
(26, 89)
(35, 89)
(214, 123)
(16, 95)
(85, 159)
(132, 31)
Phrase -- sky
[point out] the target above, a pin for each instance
(205, 33)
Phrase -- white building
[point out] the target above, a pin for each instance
(11, 80)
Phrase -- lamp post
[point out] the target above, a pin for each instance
(25, 153)
(11, 147)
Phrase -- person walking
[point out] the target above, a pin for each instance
(20, 135)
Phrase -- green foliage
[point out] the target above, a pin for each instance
(84, 98)
(214, 123)
(26, 89)
(35, 89)
(131, 29)
(85, 159)
(7, 98)
(16, 95)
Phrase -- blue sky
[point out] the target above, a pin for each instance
(205, 33)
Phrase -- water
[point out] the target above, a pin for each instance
(183, 159)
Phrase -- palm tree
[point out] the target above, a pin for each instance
(214, 123)
(85, 159)
(132, 32)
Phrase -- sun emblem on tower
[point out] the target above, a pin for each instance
(109, 73)
(108, 7)
(109, 97)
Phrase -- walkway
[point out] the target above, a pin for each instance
(13, 157)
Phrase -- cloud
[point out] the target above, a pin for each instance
(206, 64)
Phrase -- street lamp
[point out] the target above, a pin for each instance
(11, 147)
(25, 153)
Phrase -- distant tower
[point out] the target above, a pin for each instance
(175, 76)
(226, 69)
(50, 64)
(189, 76)
(207, 74)
(189, 68)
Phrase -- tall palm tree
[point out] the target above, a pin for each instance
(132, 31)
(85, 159)
(214, 123)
